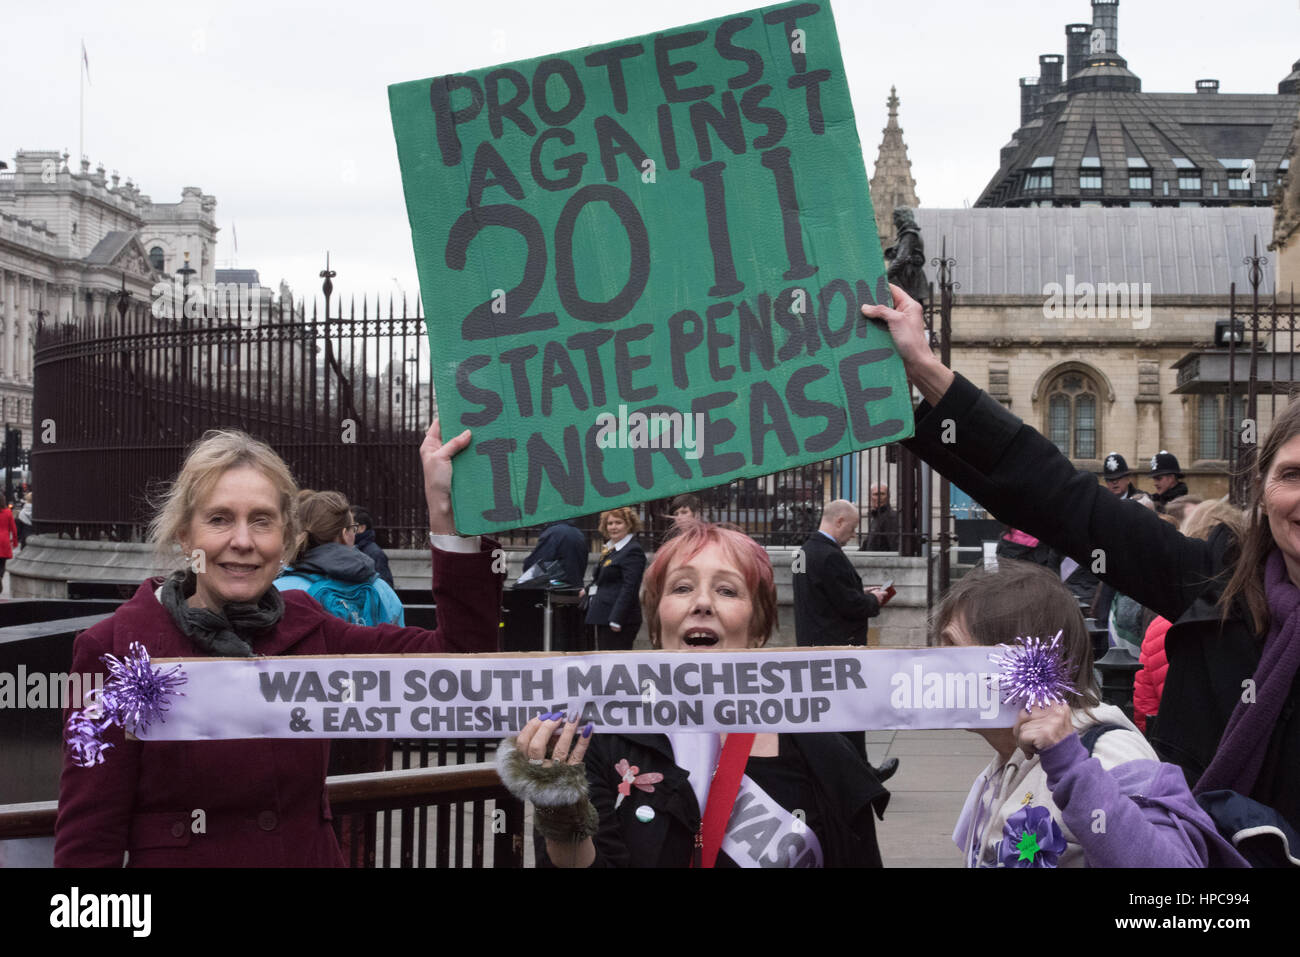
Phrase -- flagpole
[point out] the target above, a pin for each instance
(81, 101)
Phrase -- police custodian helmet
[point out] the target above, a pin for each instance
(1165, 463)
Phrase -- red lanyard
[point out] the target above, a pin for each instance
(722, 797)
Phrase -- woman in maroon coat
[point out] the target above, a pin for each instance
(258, 802)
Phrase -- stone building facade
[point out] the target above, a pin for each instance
(1086, 322)
(70, 242)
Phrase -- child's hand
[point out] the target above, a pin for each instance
(1041, 728)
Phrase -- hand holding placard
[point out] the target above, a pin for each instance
(435, 458)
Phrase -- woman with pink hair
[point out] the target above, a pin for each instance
(651, 800)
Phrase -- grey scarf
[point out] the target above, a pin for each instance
(228, 634)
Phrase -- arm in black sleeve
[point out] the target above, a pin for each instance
(1025, 481)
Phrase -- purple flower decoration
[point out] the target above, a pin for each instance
(137, 692)
(86, 732)
(135, 695)
(1031, 838)
(1034, 673)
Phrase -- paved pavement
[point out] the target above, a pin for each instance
(936, 771)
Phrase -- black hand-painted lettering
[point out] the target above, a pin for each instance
(508, 110)
(482, 322)
(669, 71)
(577, 96)
(611, 58)
(709, 176)
(491, 402)
(778, 161)
(445, 119)
(566, 279)
(731, 51)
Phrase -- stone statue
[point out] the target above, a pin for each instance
(907, 256)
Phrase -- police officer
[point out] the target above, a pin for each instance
(1115, 473)
(1167, 477)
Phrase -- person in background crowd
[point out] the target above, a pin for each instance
(1115, 473)
(1167, 477)
(882, 523)
(1149, 682)
(1181, 507)
(1038, 802)
(709, 587)
(1235, 603)
(8, 536)
(1017, 546)
(329, 567)
(25, 520)
(613, 608)
(831, 604)
(234, 504)
(565, 543)
(683, 509)
(365, 542)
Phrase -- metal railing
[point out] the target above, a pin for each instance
(393, 810)
(342, 393)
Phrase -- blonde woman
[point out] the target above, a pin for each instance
(233, 512)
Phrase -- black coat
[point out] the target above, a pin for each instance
(1023, 479)
(882, 530)
(1177, 490)
(846, 787)
(618, 580)
(830, 607)
(563, 543)
(367, 545)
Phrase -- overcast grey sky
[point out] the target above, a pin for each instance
(280, 109)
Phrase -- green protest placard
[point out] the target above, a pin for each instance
(642, 264)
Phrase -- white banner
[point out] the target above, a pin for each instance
(491, 696)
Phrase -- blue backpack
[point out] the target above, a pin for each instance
(359, 603)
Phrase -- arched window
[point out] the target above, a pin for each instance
(156, 258)
(1072, 415)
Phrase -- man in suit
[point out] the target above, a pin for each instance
(831, 605)
(562, 542)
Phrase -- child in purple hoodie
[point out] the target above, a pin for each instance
(1075, 784)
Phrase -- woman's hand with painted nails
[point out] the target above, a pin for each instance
(554, 738)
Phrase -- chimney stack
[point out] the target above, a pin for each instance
(1207, 86)
(1028, 98)
(1076, 47)
(1105, 17)
(1049, 75)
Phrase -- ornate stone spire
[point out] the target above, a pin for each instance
(892, 185)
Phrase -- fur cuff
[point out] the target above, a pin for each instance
(557, 786)
(567, 824)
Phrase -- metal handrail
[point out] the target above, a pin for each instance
(348, 794)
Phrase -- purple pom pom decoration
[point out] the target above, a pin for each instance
(135, 695)
(86, 732)
(1034, 673)
(138, 692)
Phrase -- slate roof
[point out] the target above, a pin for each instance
(1179, 250)
(247, 276)
(1097, 95)
(109, 248)
(1201, 127)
